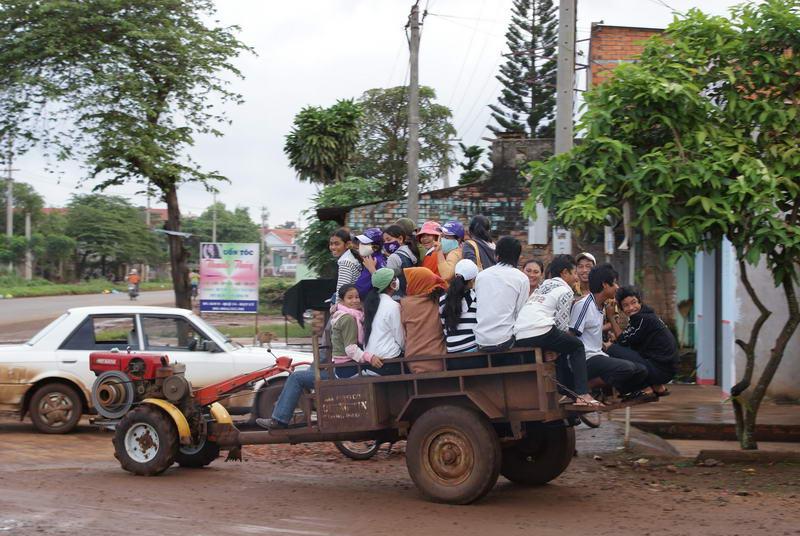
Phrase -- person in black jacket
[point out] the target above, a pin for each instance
(646, 340)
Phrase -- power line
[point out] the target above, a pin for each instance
(466, 55)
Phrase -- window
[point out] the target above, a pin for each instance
(170, 333)
(104, 333)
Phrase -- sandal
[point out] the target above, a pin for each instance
(664, 392)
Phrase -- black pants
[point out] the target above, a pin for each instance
(571, 373)
(386, 370)
(656, 375)
(626, 376)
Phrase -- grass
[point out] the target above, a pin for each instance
(17, 287)
(276, 329)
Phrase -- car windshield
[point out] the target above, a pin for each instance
(47, 329)
(228, 345)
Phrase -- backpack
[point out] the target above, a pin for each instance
(477, 253)
(405, 262)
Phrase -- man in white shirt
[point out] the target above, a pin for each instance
(544, 320)
(501, 291)
(586, 322)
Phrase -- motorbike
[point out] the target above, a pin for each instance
(133, 290)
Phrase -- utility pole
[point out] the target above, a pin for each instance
(214, 219)
(9, 205)
(565, 75)
(565, 103)
(146, 266)
(412, 208)
(28, 253)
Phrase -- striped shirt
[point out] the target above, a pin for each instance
(463, 338)
(349, 270)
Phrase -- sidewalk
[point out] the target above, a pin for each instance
(694, 418)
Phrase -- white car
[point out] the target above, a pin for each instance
(49, 378)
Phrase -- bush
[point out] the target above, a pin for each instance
(272, 289)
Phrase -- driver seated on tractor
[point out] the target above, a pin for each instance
(646, 340)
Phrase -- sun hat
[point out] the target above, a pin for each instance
(371, 236)
(429, 227)
(453, 228)
(467, 269)
(382, 277)
(586, 255)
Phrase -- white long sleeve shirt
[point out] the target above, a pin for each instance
(386, 340)
(501, 290)
(548, 306)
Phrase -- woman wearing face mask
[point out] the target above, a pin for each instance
(428, 238)
(449, 252)
(534, 269)
(370, 246)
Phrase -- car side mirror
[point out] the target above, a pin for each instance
(211, 346)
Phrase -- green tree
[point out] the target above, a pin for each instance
(700, 136)
(383, 146)
(25, 200)
(322, 142)
(528, 99)
(314, 238)
(139, 79)
(471, 172)
(232, 226)
(108, 232)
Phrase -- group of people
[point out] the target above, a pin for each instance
(405, 291)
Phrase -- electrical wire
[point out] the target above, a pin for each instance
(466, 56)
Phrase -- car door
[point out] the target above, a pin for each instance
(183, 342)
(96, 333)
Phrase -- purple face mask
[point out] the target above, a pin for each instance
(391, 247)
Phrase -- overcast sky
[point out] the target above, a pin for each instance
(313, 52)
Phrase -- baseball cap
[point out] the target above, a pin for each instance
(586, 255)
(371, 236)
(453, 228)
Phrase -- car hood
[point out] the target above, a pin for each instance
(262, 353)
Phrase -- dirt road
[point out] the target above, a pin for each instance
(72, 485)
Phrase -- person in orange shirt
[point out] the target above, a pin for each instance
(133, 277)
(428, 237)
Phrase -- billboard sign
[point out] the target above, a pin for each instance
(228, 277)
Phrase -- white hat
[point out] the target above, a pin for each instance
(133, 270)
(586, 255)
(466, 269)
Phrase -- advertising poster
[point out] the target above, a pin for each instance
(228, 277)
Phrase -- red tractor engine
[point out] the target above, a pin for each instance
(125, 379)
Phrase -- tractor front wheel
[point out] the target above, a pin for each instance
(146, 441)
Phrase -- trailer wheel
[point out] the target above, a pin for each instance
(146, 441)
(198, 455)
(453, 455)
(541, 458)
(358, 450)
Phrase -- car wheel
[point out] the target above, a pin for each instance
(55, 408)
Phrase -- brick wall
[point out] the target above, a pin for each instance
(612, 45)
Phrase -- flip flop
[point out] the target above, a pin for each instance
(665, 392)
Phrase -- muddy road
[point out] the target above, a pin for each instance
(72, 485)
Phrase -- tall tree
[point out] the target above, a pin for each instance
(471, 172)
(26, 200)
(700, 136)
(139, 80)
(109, 232)
(528, 99)
(232, 226)
(382, 148)
(322, 142)
(314, 238)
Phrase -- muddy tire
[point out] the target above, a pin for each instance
(540, 458)
(358, 450)
(453, 455)
(198, 455)
(146, 441)
(55, 408)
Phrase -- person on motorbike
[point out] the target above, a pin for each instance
(133, 283)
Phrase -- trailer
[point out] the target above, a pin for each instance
(464, 426)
